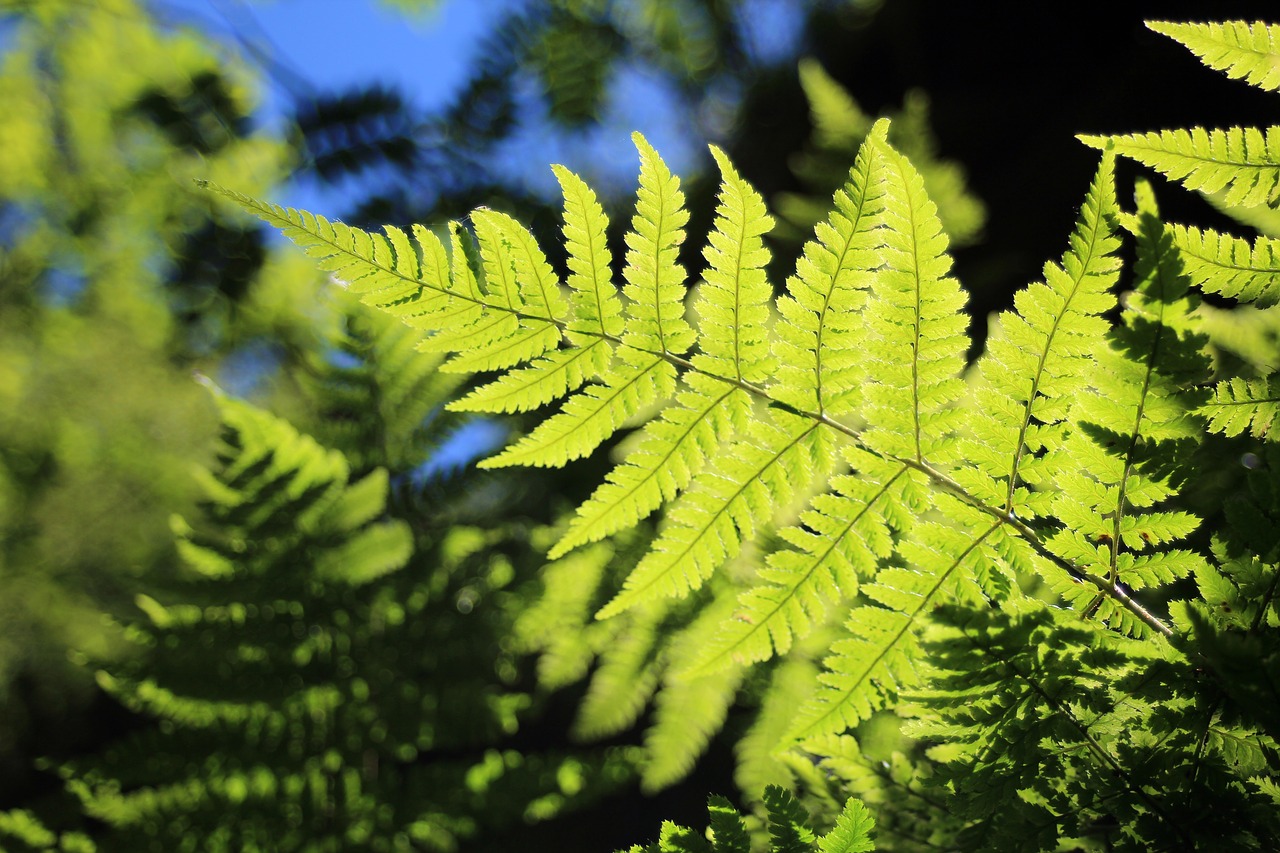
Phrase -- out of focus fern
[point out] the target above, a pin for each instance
(325, 677)
(839, 126)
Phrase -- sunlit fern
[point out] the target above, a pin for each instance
(1048, 472)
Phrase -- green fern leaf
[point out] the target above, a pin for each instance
(789, 830)
(819, 347)
(672, 449)
(537, 284)
(519, 280)
(655, 282)
(1220, 263)
(597, 309)
(708, 524)
(880, 654)
(733, 302)
(1241, 50)
(588, 418)
(367, 263)
(1242, 163)
(916, 325)
(654, 323)
(498, 353)
(547, 378)
(852, 832)
(791, 684)
(367, 556)
(1038, 360)
(1243, 404)
(1110, 470)
(625, 679)
(838, 121)
(840, 539)
(688, 713)
(464, 323)
(728, 833)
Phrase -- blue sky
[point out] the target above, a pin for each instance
(330, 44)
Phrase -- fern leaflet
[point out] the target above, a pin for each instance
(917, 312)
(1038, 360)
(1110, 470)
(819, 354)
(1241, 163)
(1240, 405)
(1243, 51)
(1220, 263)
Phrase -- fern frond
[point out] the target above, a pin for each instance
(880, 654)
(1240, 405)
(733, 302)
(536, 283)
(1241, 50)
(1220, 263)
(912, 813)
(791, 684)
(367, 555)
(464, 323)
(627, 676)
(708, 524)
(655, 281)
(591, 416)
(385, 269)
(1038, 359)
(688, 711)
(1109, 471)
(837, 119)
(852, 832)
(819, 347)
(1242, 163)
(547, 378)
(559, 624)
(1018, 734)
(916, 326)
(597, 309)
(789, 830)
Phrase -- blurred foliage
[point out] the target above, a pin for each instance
(839, 127)
(117, 280)
(327, 675)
